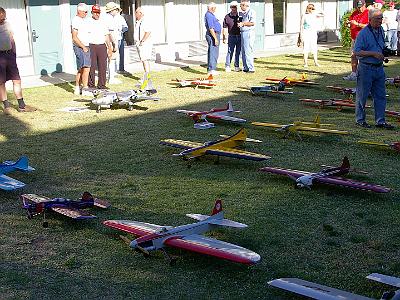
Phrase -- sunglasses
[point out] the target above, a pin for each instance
(233, 6)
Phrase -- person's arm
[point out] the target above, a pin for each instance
(225, 35)
(301, 27)
(77, 41)
(360, 52)
(109, 45)
(145, 37)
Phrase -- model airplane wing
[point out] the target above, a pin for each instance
(187, 112)
(321, 130)
(136, 228)
(389, 280)
(235, 153)
(358, 185)
(72, 212)
(314, 290)
(272, 125)
(213, 247)
(291, 173)
(9, 184)
(180, 144)
(225, 118)
(101, 203)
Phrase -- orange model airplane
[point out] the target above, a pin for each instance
(206, 82)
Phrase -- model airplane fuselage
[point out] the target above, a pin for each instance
(155, 237)
(343, 90)
(395, 145)
(269, 89)
(36, 205)
(327, 176)
(7, 183)
(302, 81)
(207, 82)
(215, 114)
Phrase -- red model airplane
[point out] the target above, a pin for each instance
(394, 114)
(207, 82)
(337, 103)
(329, 175)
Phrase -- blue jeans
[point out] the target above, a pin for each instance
(370, 79)
(391, 36)
(247, 39)
(234, 41)
(213, 52)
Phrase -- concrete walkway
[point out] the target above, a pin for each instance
(57, 78)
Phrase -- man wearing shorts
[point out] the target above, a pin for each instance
(8, 67)
(143, 40)
(80, 38)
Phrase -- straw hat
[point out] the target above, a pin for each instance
(110, 6)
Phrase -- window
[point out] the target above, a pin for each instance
(279, 8)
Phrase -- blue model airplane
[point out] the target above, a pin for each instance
(8, 183)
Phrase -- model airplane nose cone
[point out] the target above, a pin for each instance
(133, 244)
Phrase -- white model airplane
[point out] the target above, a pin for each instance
(321, 292)
(155, 237)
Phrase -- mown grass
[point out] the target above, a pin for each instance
(328, 235)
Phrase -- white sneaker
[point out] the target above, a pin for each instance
(77, 90)
(237, 69)
(352, 77)
(86, 92)
(227, 69)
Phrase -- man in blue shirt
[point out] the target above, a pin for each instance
(213, 37)
(247, 22)
(370, 74)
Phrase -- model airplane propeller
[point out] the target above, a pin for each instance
(394, 145)
(329, 175)
(301, 126)
(207, 82)
(7, 183)
(321, 292)
(189, 237)
(266, 90)
(302, 81)
(201, 118)
(36, 205)
(225, 147)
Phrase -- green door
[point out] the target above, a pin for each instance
(46, 36)
(259, 7)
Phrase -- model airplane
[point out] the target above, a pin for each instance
(225, 147)
(393, 81)
(339, 104)
(206, 82)
(8, 166)
(300, 126)
(394, 114)
(270, 89)
(302, 81)
(201, 118)
(321, 292)
(394, 145)
(328, 175)
(189, 237)
(343, 90)
(36, 205)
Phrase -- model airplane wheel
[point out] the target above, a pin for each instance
(45, 224)
(130, 108)
(29, 216)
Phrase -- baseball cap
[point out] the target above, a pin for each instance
(391, 3)
(96, 8)
(360, 3)
(380, 2)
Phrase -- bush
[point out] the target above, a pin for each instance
(345, 36)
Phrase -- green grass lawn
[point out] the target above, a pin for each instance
(332, 236)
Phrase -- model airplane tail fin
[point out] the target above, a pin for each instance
(86, 196)
(217, 207)
(317, 121)
(345, 164)
(229, 107)
(210, 77)
(23, 165)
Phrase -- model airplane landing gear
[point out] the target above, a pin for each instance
(45, 224)
(171, 259)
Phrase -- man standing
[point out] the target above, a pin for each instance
(8, 67)
(390, 24)
(247, 22)
(213, 37)
(370, 73)
(358, 20)
(100, 48)
(80, 39)
(232, 31)
(143, 40)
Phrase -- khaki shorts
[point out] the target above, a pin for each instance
(145, 52)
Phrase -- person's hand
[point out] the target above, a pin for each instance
(379, 56)
(240, 24)
(224, 40)
(85, 49)
(216, 42)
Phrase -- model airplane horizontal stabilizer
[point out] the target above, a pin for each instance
(389, 280)
(314, 290)
(7, 183)
(154, 237)
(225, 147)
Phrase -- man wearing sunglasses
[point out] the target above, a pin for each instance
(231, 34)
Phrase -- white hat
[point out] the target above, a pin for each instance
(234, 3)
(82, 7)
(110, 6)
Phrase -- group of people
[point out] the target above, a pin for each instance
(238, 31)
(96, 43)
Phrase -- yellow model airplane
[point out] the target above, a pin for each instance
(299, 126)
(394, 145)
(224, 147)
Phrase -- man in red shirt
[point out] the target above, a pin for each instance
(358, 20)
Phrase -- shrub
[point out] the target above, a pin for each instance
(345, 36)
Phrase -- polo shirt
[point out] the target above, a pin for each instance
(367, 42)
(359, 18)
(97, 31)
(230, 22)
(211, 22)
(248, 16)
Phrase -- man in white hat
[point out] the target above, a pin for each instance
(117, 26)
(231, 35)
(247, 17)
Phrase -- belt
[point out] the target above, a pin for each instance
(5, 51)
(372, 64)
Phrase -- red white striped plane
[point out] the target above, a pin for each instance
(155, 237)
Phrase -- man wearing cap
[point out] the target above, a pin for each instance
(358, 20)
(231, 34)
(247, 22)
(213, 38)
(100, 48)
(143, 40)
(370, 73)
(378, 4)
(390, 26)
(117, 26)
(8, 67)
(80, 39)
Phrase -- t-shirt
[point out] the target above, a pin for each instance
(81, 25)
(5, 37)
(359, 17)
(230, 22)
(141, 27)
(97, 31)
(117, 25)
(211, 22)
(389, 18)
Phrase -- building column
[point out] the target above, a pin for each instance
(66, 37)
